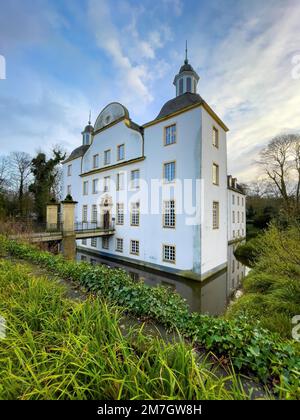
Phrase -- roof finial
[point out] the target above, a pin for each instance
(186, 59)
(90, 118)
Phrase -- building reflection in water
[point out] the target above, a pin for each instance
(210, 296)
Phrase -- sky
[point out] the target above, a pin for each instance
(67, 57)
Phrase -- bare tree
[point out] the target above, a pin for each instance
(280, 158)
(3, 172)
(20, 172)
(296, 156)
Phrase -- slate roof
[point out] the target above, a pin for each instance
(88, 129)
(186, 67)
(78, 152)
(178, 103)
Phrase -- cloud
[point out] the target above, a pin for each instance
(248, 81)
(131, 77)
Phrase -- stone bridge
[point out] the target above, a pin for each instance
(66, 230)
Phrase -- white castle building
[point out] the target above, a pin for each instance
(163, 185)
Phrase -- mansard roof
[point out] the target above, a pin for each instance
(78, 152)
(180, 102)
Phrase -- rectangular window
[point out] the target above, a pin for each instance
(238, 200)
(120, 214)
(232, 198)
(94, 242)
(233, 265)
(84, 213)
(169, 171)
(188, 84)
(169, 214)
(106, 183)
(107, 157)
(121, 152)
(242, 201)
(85, 187)
(84, 241)
(215, 174)
(233, 217)
(94, 213)
(170, 134)
(119, 244)
(95, 186)
(95, 161)
(238, 217)
(105, 242)
(215, 215)
(83, 258)
(135, 214)
(135, 179)
(180, 86)
(120, 181)
(134, 247)
(238, 233)
(215, 137)
(242, 217)
(69, 170)
(169, 253)
(69, 189)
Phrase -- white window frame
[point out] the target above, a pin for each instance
(119, 148)
(119, 244)
(168, 164)
(134, 247)
(169, 214)
(107, 157)
(135, 214)
(169, 253)
(216, 215)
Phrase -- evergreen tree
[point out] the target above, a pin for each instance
(45, 173)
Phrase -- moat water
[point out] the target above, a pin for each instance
(211, 296)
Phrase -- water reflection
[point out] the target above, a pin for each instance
(211, 296)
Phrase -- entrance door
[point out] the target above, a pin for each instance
(106, 220)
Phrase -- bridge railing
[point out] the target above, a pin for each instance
(92, 226)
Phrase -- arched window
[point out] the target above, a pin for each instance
(180, 86)
(188, 84)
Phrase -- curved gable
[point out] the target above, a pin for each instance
(112, 112)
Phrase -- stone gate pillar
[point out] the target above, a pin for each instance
(52, 215)
(68, 216)
(68, 228)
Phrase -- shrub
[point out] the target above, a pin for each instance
(248, 252)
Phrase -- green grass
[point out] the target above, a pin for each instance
(61, 349)
(272, 288)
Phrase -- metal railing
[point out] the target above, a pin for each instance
(92, 226)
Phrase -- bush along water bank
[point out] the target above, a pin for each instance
(250, 347)
(271, 291)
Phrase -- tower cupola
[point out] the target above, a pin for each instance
(187, 79)
(87, 133)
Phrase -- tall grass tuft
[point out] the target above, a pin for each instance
(61, 349)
